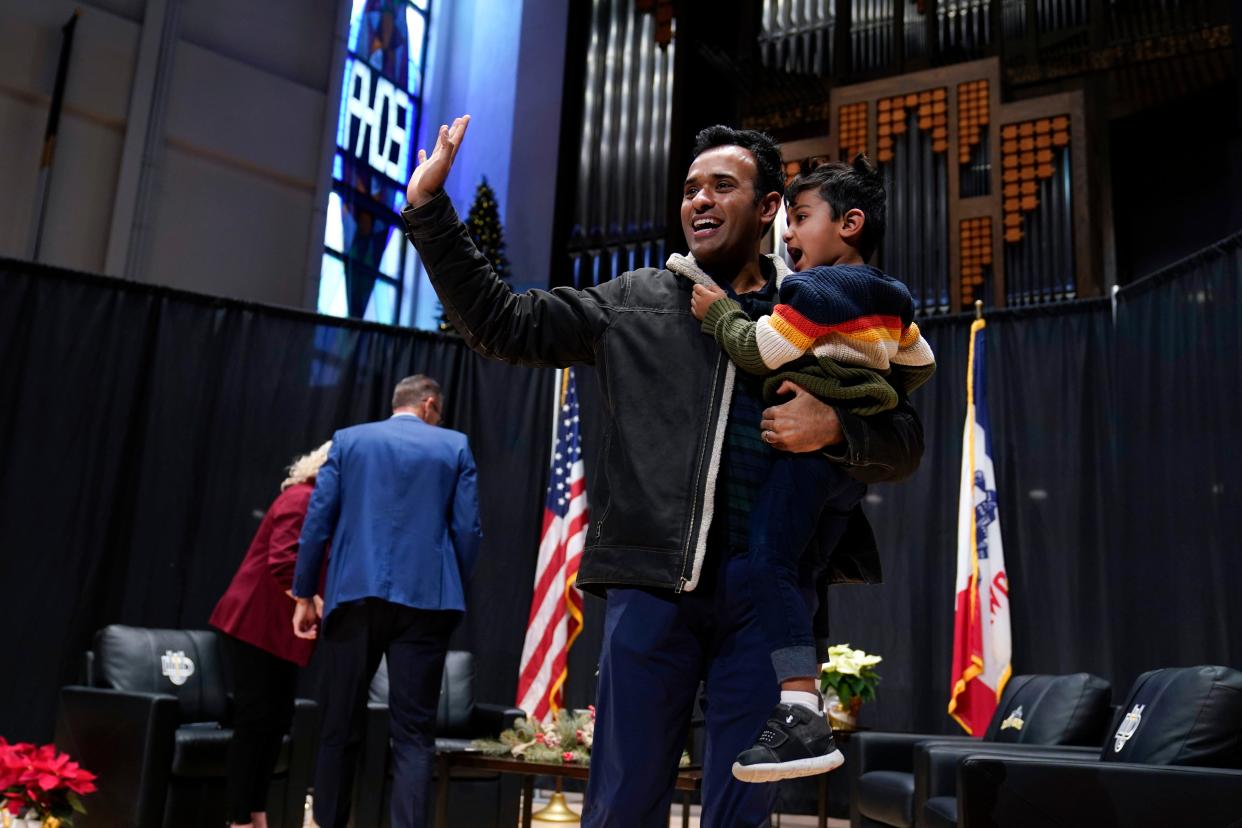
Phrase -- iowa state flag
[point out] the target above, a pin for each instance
(981, 643)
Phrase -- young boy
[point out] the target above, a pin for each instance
(845, 332)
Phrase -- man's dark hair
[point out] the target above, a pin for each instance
(771, 177)
(413, 390)
(858, 185)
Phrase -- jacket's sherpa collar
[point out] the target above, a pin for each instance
(688, 267)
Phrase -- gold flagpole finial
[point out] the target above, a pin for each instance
(978, 309)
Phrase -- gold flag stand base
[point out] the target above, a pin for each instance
(557, 809)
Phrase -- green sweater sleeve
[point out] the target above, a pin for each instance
(861, 390)
(736, 335)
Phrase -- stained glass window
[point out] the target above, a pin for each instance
(365, 253)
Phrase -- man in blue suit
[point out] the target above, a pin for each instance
(397, 499)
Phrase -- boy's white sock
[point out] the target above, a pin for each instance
(808, 700)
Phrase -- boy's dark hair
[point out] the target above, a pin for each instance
(771, 177)
(846, 187)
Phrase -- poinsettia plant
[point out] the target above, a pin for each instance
(850, 674)
(42, 780)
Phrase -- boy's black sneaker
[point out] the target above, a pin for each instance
(794, 742)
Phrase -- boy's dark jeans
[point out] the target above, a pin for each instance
(799, 489)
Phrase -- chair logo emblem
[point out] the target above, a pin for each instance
(1128, 725)
(177, 666)
(1014, 720)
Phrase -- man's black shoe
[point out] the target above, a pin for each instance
(794, 742)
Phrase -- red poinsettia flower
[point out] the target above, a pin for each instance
(14, 760)
(41, 778)
(79, 780)
(50, 770)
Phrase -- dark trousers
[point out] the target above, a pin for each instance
(263, 693)
(657, 647)
(802, 494)
(357, 634)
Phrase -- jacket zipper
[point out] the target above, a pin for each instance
(599, 526)
(691, 536)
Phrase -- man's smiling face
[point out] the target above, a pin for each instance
(720, 215)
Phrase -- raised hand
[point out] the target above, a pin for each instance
(432, 170)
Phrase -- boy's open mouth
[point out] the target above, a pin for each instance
(795, 253)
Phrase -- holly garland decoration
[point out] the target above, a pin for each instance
(483, 224)
(564, 739)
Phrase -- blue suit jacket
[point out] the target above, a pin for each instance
(398, 501)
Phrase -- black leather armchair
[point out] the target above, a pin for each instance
(936, 768)
(888, 789)
(477, 799)
(1174, 758)
(1025, 792)
(148, 720)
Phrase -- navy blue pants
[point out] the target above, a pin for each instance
(353, 640)
(657, 647)
(801, 494)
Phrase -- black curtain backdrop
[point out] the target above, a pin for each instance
(1115, 434)
(146, 431)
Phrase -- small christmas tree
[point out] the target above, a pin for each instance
(483, 224)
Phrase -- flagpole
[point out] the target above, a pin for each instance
(560, 390)
(558, 399)
(49, 137)
(978, 309)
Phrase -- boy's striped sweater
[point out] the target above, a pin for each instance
(854, 320)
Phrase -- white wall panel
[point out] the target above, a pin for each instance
(96, 98)
(291, 39)
(230, 109)
(226, 231)
(131, 10)
(234, 156)
(103, 57)
(79, 202)
(21, 136)
(233, 164)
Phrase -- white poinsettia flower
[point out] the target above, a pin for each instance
(845, 660)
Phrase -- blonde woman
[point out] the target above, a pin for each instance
(254, 616)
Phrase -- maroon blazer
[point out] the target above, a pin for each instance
(255, 607)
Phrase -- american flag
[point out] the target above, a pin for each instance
(556, 607)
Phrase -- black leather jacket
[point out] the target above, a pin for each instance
(667, 389)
